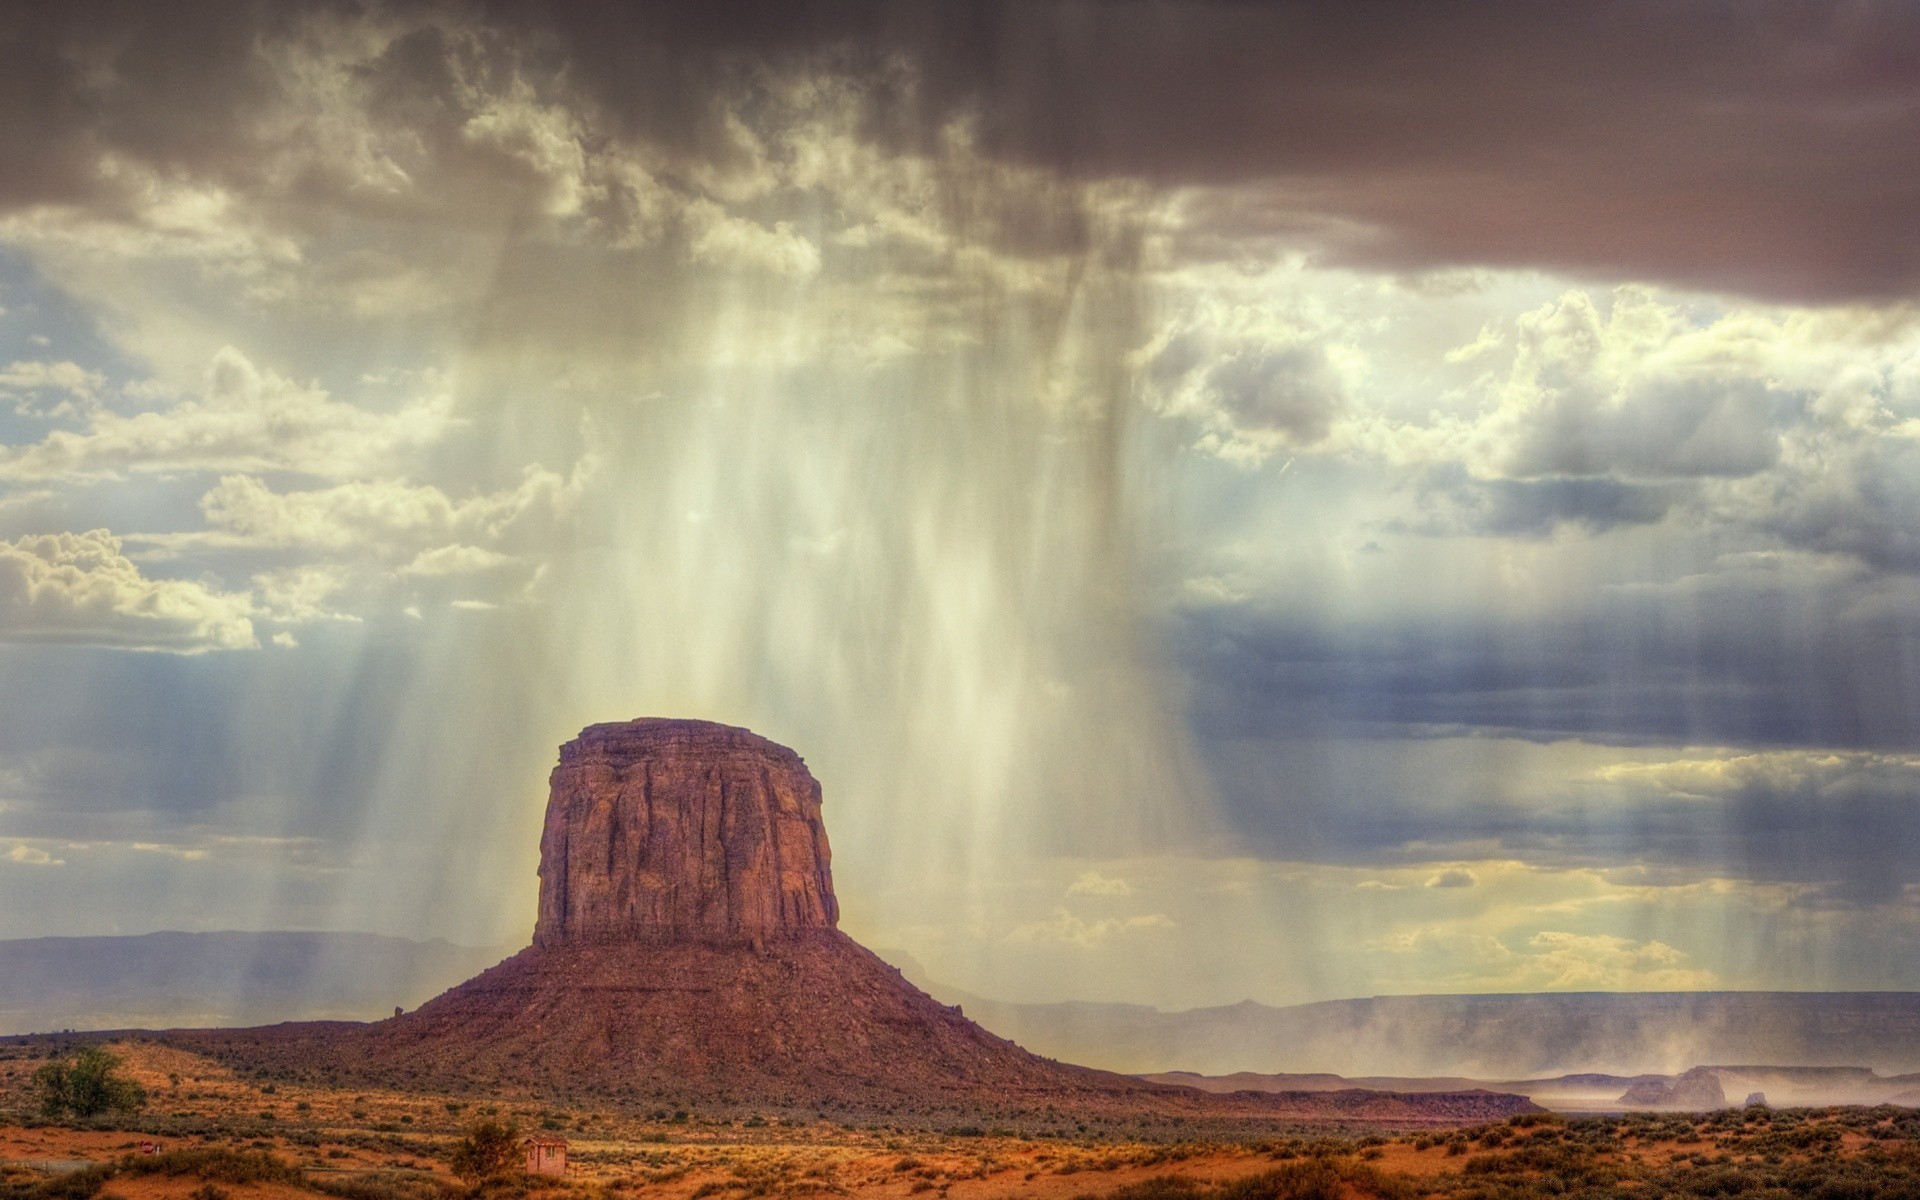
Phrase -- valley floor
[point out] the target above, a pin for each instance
(217, 1136)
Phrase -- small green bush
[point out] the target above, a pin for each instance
(488, 1151)
(85, 1085)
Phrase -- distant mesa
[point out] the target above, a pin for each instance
(687, 950)
(1697, 1090)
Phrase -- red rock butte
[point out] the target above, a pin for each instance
(686, 952)
(669, 831)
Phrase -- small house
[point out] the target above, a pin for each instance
(546, 1155)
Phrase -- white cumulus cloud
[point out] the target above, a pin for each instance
(79, 587)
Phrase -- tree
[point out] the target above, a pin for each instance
(487, 1151)
(86, 1086)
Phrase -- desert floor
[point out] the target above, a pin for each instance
(219, 1137)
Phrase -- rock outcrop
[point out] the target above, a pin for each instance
(674, 832)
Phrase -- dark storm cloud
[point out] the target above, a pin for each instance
(1679, 428)
(1846, 825)
(109, 745)
(1739, 667)
(174, 86)
(1367, 742)
(1765, 147)
(1864, 503)
(1453, 502)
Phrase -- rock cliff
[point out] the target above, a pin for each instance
(669, 831)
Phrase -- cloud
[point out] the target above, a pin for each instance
(1453, 877)
(1093, 883)
(1547, 961)
(1452, 502)
(169, 850)
(1835, 828)
(1067, 928)
(730, 241)
(1826, 772)
(80, 588)
(296, 595)
(1323, 125)
(32, 856)
(245, 419)
(455, 560)
(1327, 117)
(1630, 387)
(1719, 657)
(1252, 382)
(416, 529)
(1844, 822)
(25, 382)
(1329, 120)
(1851, 493)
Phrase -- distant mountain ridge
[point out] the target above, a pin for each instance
(179, 980)
(1698, 1089)
(1488, 1036)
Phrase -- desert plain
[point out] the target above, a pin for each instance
(218, 1133)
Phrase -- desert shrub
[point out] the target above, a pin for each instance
(217, 1165)
(84, 1184)
(1314, 1179)
(487, 1151)
(1308, 1179)
(1160, 1187)
(382, 1187)
(1529, 1119)
(85, 1085)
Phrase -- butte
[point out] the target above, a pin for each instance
(686, 953)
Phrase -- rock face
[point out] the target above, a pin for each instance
(669, 832)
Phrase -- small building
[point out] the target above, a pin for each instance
(546, 1155)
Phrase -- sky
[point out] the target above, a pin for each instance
(1231, 500)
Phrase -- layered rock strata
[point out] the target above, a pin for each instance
(670, 832)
